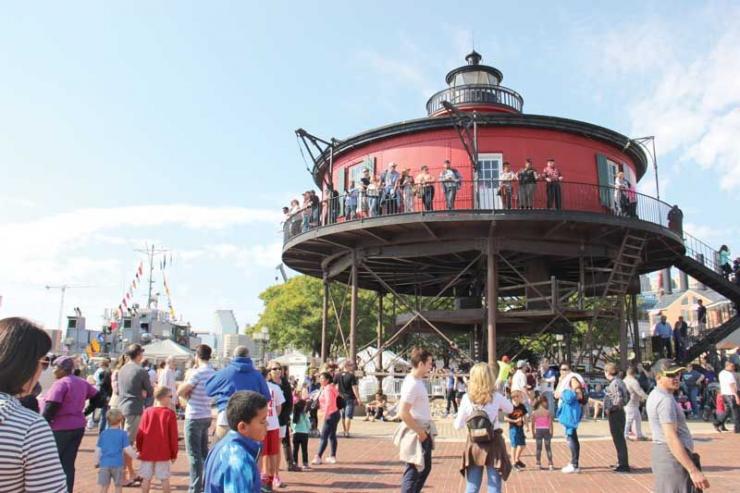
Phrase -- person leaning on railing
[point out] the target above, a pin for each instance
(373, 197)
(425, 188)
(506, 187)
(527, 182)
(450, 179)
(553, 178)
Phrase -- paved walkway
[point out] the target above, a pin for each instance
(368, 463)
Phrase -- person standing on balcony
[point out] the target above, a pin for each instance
(315, 208)
(350, 202)
(306, 212)
(390, 180)
(527, 183)
(407, 190)
(450, 179)
(680, 337)
(506, 187)
(663, 329)
(632, 201)
(701, 316)
(621, 189)
(553, 178)
(373, 197)
(724, 262)
(425, 182)
(363, 207)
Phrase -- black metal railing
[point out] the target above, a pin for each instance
(702, 253)
(476, 93)
(479, 195)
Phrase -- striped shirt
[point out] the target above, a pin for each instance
(199, 403)
(29, 460)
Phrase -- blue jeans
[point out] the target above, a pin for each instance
(450, 193)
(575, 447)
(329, 434)
(196, 445)
(103, 424)
(413, 479)
(474, 478)
(693, 398)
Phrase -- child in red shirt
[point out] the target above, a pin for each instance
(156, 440)
(720, 413)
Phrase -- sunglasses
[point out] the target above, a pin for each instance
(277, 368)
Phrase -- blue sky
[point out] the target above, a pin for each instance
(172, 122)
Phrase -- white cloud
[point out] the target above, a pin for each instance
(7, 201)
(688, 96)
(43, 250)
(243, 257)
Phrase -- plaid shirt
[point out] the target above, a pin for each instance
(552, 174)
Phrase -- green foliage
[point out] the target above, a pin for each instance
(292, 314)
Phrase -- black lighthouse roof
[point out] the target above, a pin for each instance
(474, 72)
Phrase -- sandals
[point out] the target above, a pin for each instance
(134, 483)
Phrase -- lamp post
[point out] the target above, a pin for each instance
(559, 338)
(642, 142)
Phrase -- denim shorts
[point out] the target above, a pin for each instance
(516, 436)
(108, 474)
(348, 412)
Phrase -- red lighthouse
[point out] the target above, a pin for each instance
(531, 223)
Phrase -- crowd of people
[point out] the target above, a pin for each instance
(394, 192)
(263, 415)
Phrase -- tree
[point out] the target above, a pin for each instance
(292, 314)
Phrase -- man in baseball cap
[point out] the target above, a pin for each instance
(674, 464)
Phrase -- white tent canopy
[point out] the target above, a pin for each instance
(367, 359)
(165, 348)
(731, 341)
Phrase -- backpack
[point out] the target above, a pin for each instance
(480, 428)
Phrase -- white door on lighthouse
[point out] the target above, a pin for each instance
(489, 170)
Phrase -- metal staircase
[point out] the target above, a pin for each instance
(620, 275)
(700, 263)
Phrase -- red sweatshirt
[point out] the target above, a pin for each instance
(156, 440)
(720, 404)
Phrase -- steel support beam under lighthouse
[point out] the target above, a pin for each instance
(491, 300)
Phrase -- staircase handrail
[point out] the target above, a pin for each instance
(701, 252)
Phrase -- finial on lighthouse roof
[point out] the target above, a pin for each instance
(473, 58)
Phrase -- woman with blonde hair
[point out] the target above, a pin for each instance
(480, 406)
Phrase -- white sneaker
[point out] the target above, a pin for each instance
(570, 469)
(331, 460)
(316, 461)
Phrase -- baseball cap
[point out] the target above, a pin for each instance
(521, 363)
(66, 363)
(668, 367)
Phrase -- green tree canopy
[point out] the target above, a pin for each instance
(292, 314)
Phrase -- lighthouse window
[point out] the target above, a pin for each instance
(355, 171)
(489, 169)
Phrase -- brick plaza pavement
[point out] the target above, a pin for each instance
(368, 463)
